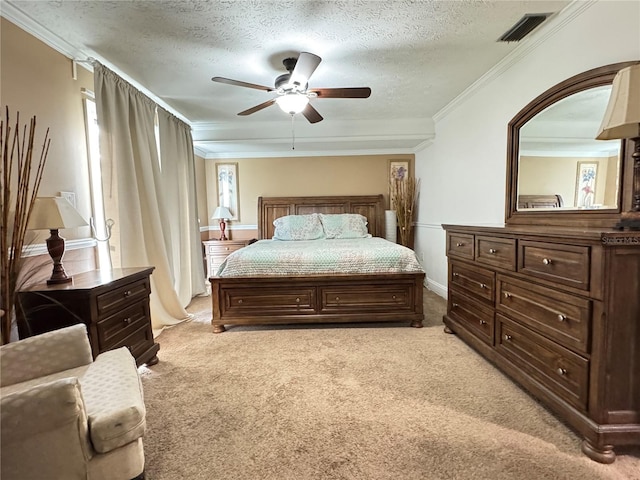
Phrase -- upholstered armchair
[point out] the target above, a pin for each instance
(66, 416)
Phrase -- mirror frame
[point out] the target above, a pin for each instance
(578, 218)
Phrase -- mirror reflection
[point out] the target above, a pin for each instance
(561, 165)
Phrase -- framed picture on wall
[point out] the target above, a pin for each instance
(586, 184)
(227, 184)
(398, 169)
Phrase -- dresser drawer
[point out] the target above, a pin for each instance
(473, 315)
(497, 252)
(460, 245)
(560, 316)
(120, 297)
(349, 299)
(113, 329)
(479, 281)
(562, 371)
(268, 301)
(565, 264)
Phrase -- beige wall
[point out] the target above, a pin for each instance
(37, 80)
(296, 176)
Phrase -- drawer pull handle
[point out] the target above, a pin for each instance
(456, 274)
(393, 297)
(493, 251)
(337, 299)
(459, 244)
(226, 248)
(298, 300)
(483, 322)
(240, 301)
(546, 261)
(127, 320)
(507, 337)
(454, 305)
(483, 285)
(561, 317)
(561, 371)
(507, 295)
(127, 293)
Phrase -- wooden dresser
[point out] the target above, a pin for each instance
(558, 310)
(216, 252)
(114, 304)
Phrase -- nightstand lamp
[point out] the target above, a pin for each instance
(54, 213)
(622, 121)
(222, 214)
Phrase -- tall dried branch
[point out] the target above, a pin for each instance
(404, 195)
(19, 182)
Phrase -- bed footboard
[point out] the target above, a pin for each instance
(317, 299)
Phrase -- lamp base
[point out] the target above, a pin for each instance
(55, 246)
(629, 220)
(222, 226)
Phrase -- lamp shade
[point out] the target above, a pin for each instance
(221, 213)
(622, 117)
(292, 102)
(53, 213)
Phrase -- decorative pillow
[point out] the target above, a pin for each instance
(298, 227)
(344, 225)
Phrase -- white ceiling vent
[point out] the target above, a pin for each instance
(523, 27)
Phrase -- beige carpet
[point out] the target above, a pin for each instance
(368, 402)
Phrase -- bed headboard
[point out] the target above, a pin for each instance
(270, 208)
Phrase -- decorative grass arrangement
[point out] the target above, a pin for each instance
(20, 177)
(404, 195)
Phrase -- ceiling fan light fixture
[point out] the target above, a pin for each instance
(292, 103)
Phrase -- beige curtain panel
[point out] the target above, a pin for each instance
(133, 189)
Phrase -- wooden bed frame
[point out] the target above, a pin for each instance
(341, 298)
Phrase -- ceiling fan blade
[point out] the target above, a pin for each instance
(238, 83)
(257, 108)
(311, 114)
(351, 92)
(305, 66)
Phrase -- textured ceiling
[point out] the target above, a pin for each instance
(417, 56)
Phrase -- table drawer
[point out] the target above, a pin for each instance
(460, 245)
(137, 342)
(112, 330)
(496, 251)
(560, 316)
(566, 264)
(349, 299)
(121, 297)
(473, 315)
(479, 281)
(562, 371)
(268, 301)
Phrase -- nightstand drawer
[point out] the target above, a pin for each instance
(565, 264)
(223, 248)
(497, 252)
(120, 297)
(112, 330)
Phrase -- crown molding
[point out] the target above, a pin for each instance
(553, 25)
(294, 153)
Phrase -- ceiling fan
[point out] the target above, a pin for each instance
(292, 88)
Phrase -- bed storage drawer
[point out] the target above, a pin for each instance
(268, 301)
(560, 316)
(560, 370)
(354, 298)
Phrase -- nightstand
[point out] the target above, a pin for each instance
(114, 304)
(216, 251)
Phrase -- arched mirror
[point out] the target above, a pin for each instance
(557, 173)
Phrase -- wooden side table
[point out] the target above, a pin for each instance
(114, 304)
(216, 252)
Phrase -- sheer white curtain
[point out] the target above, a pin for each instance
(133, 189)
(178, 189)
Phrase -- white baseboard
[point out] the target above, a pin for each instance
(436, 288)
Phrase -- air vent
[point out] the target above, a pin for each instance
(524, 26)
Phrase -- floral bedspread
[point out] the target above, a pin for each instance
(308, 257)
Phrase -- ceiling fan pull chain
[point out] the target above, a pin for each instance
(293, 134)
